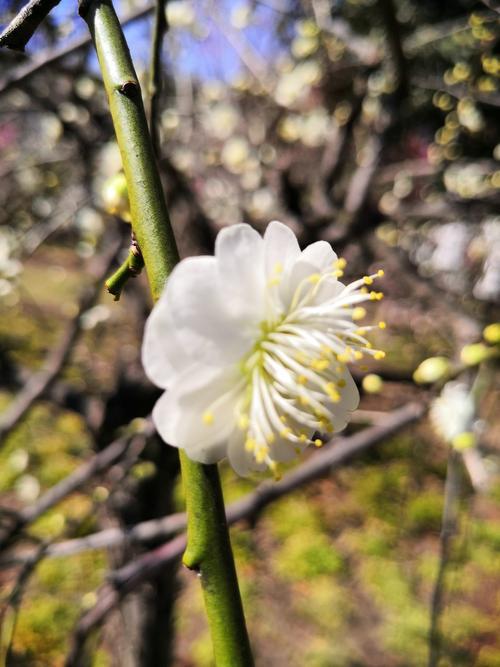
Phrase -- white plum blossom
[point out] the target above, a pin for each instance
(452, 413)
(252, 346)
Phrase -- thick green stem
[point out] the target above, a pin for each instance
(148, 210)
(209, 550)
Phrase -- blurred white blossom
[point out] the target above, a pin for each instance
(452, 412)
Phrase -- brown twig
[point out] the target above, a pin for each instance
(8, 617)
(448, 531)
(22, 27)
(95, 466)
(160, 26)
(337, 453)
(51, 57)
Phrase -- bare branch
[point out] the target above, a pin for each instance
(338, 452)
(8, 617)
(20, 30)
(96, 465)
(53, 56)
(448, 531)
(160, 27)
(133, 574)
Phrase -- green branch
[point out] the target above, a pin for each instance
(130, 268)
(209, 551)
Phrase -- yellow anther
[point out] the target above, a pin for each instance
(326, 351)
(303, 400)
(243, 422)
(261, 454)
(283, 419)
(341, 263)
(341, 384)
(380, 273)
(273, 282)
(364, 290)
(285, 432)
(314, 278)
(207, 418)
(301, 379)
(250, 444)
(360, 332)
(373, 296)
(338, 273)
(329, 428)
(332, 392)
(278, 267)
(358, 313)
(382, 325)
(379, 354)
(319, 364)
(318, 442)
(358, 355)
(368, 280)
(344, 357)
(303, 437)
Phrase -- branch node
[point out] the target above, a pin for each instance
(129, 88)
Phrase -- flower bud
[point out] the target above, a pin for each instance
(372, 383)
(115, 196)
(491, 333)
(432, 370)
(474, 354)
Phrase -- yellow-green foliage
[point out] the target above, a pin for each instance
(52, 605)
(406, 619)
(55, 442)
(305, 555)
(424, 512)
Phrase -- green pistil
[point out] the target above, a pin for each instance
(257, 353)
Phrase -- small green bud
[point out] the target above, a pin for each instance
(372, 383)
(432, 370)
(115, 196)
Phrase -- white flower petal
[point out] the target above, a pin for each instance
(281, 248)
(206, 327)
(198, 412)
(320, 255)
(239, 251)
(163, 355)
(241, 461)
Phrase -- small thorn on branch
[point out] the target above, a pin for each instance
(130, 268)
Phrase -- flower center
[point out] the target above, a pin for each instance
(296, 372)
